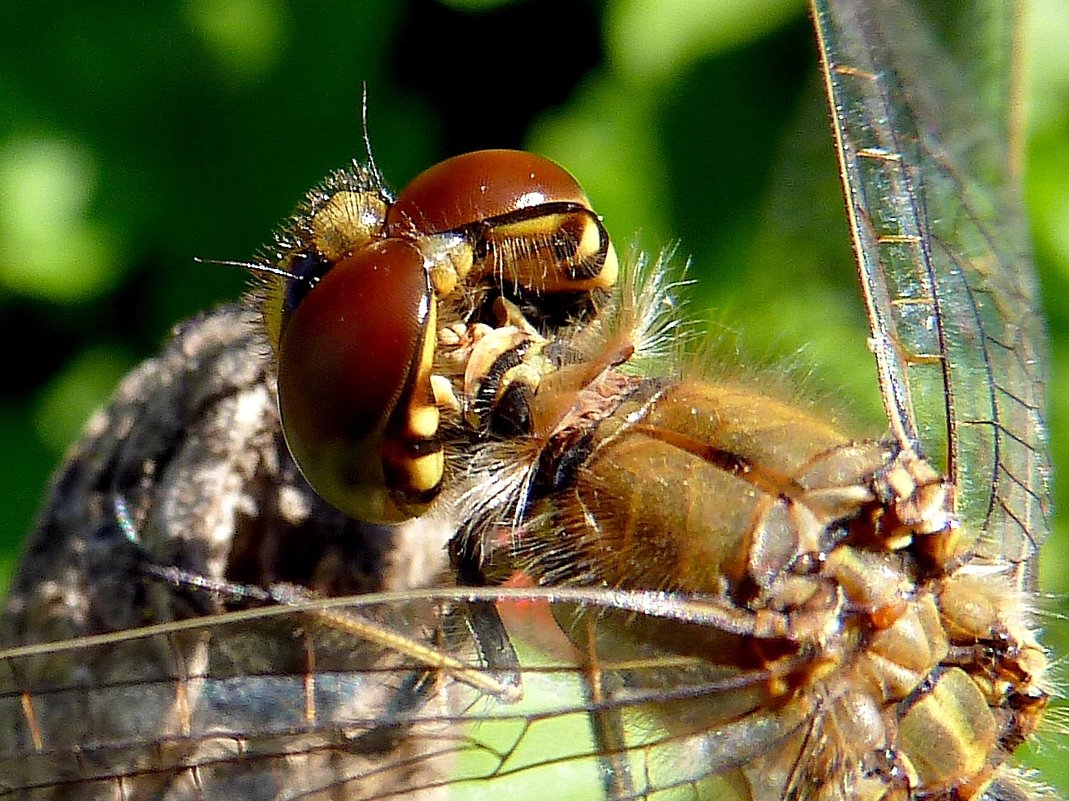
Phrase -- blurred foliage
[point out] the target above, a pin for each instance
(136, 136)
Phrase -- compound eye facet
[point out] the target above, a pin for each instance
(476, 186)
(353, 370)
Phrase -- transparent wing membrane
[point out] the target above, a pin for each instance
(939, 233)
(190, 711)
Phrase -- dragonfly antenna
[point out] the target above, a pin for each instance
(257, 269)
(372, 167)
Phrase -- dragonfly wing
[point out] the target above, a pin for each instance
(939, 235)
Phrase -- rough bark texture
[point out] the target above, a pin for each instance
(192, 442)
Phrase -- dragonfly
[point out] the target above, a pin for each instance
(358, 675)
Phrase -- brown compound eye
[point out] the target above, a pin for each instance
(354, 381)
(529, 222)
(477, 186)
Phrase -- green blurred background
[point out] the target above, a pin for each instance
(135, 136)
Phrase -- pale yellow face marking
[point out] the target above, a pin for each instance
(522, 252)
(421, 474)
(610, 270)
(423, 422)
(535, 228)
(590, 241)
(425, 472)
(444, 396)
